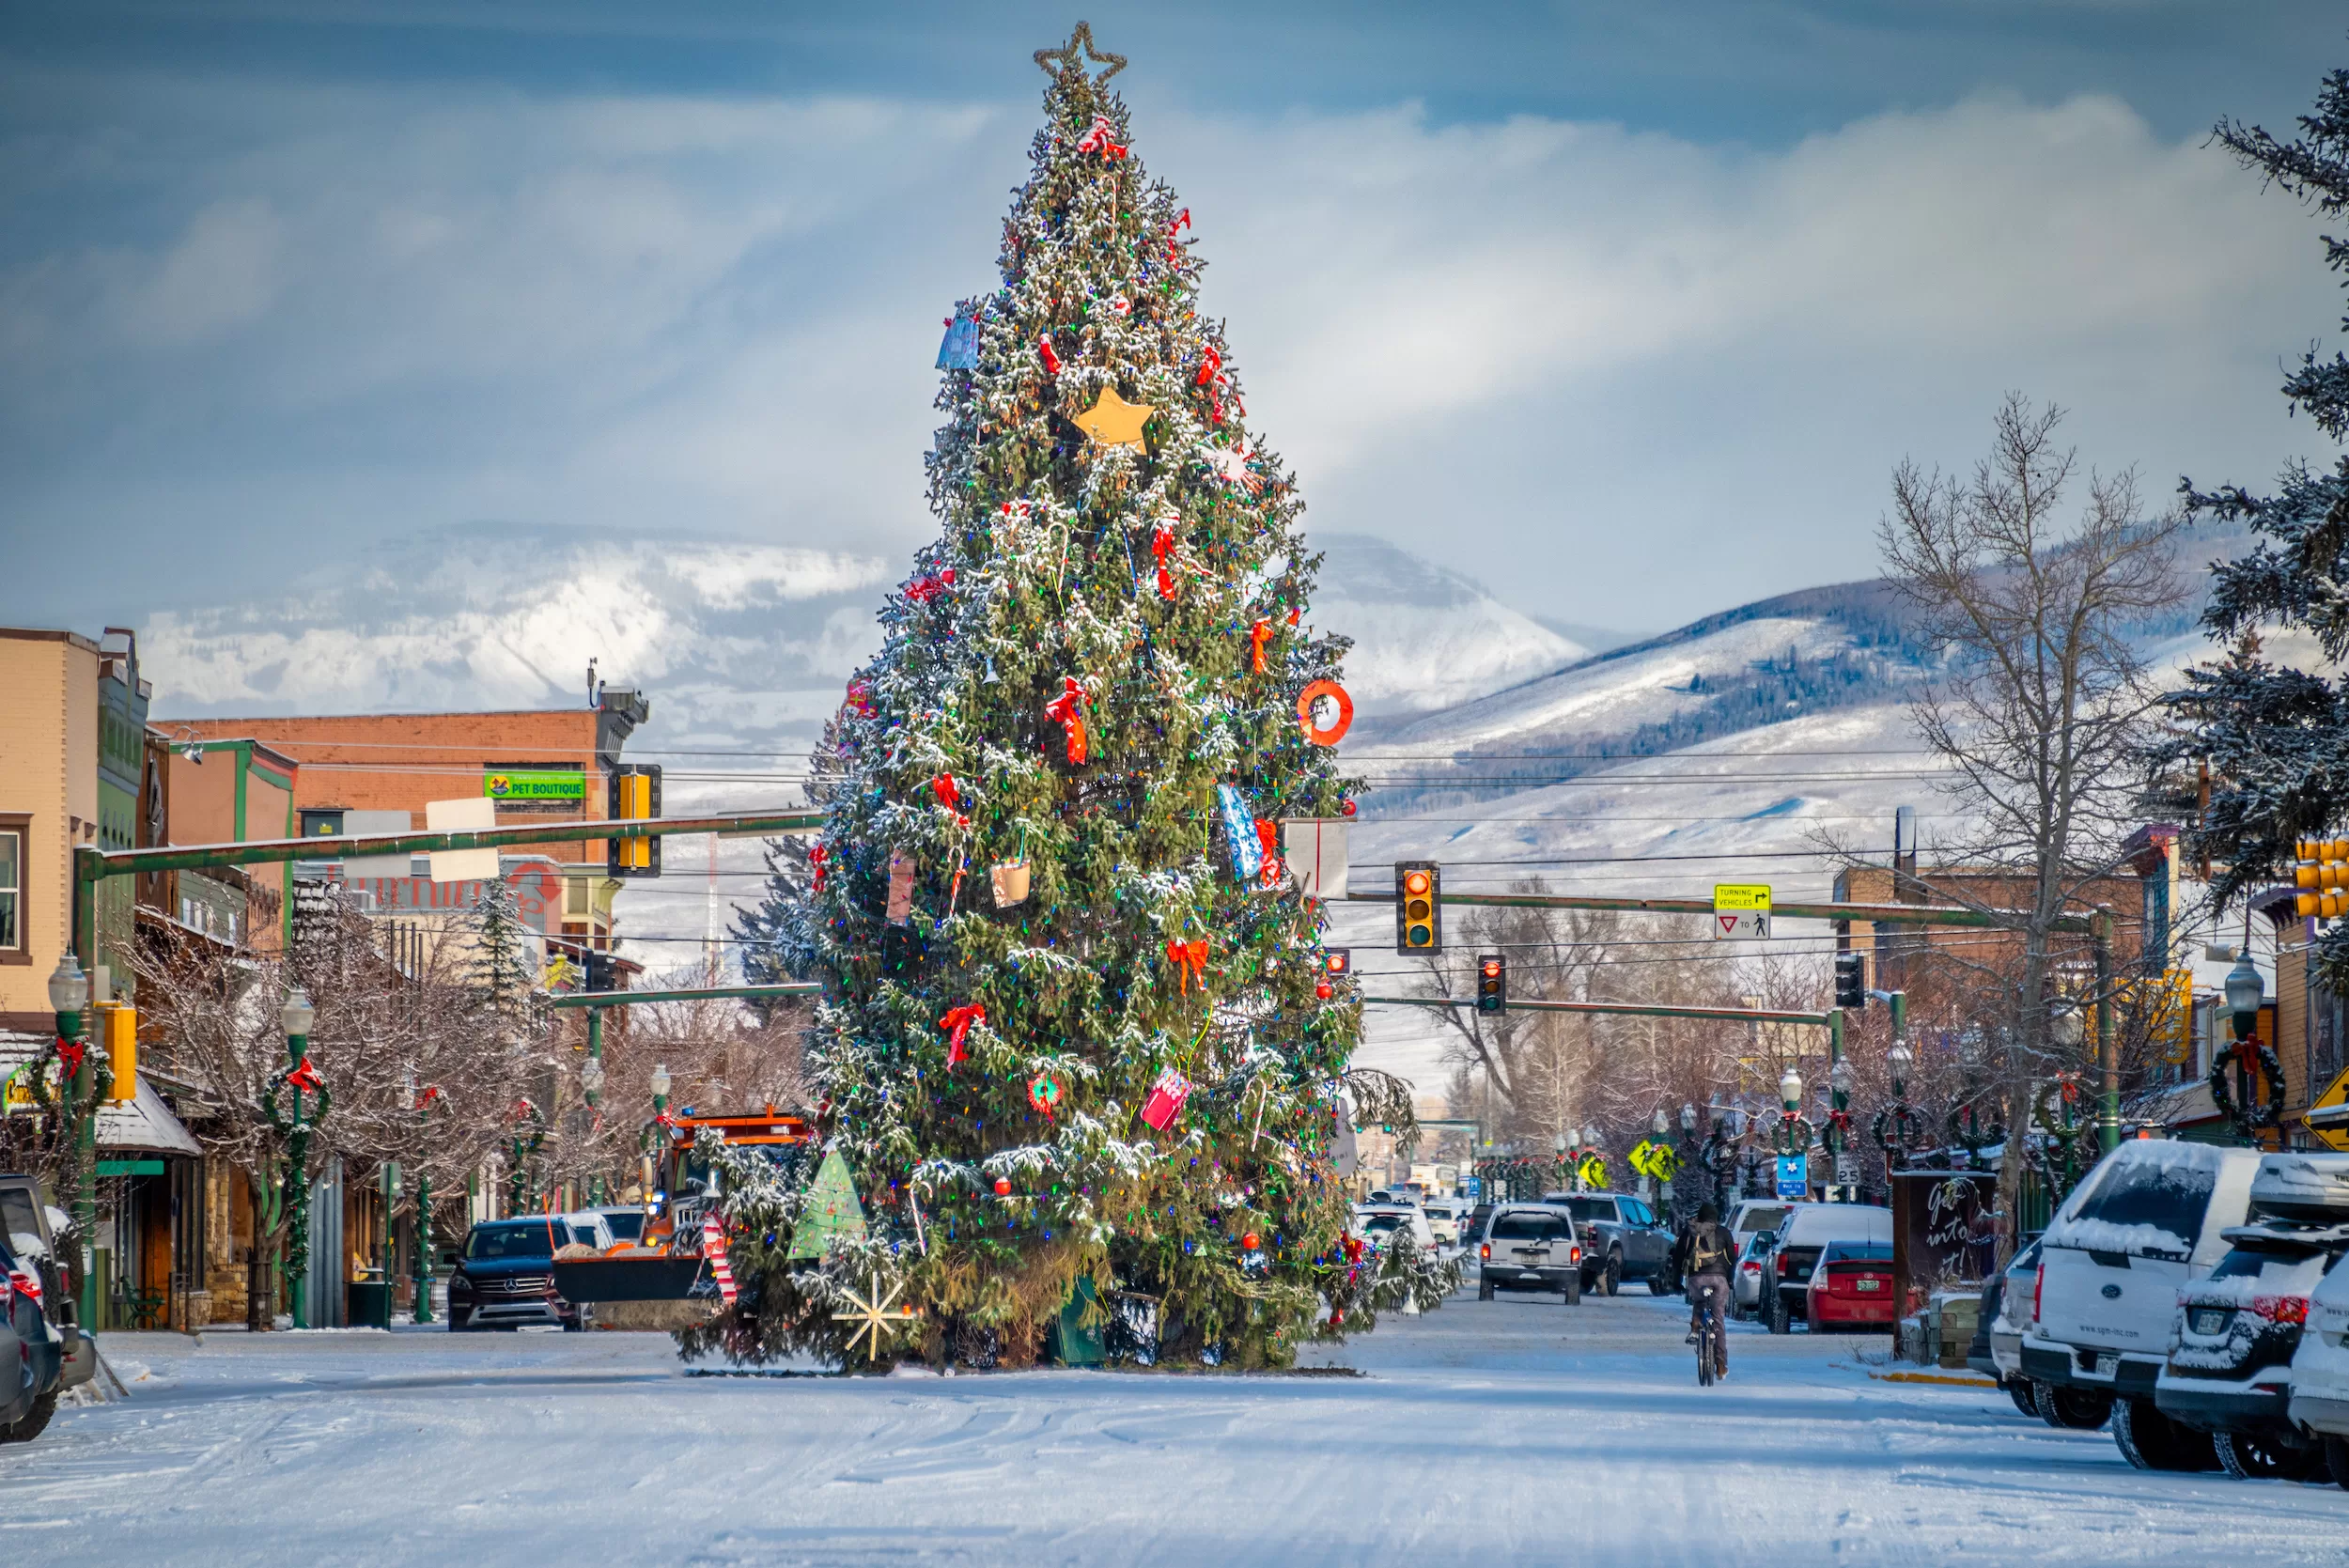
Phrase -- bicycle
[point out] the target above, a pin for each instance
(1711, 1361)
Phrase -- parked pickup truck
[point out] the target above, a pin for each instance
(1622, 1239)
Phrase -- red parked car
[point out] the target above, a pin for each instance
(1852, 1287)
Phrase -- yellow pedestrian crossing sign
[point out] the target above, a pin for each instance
(1740, 910)
(2328, 1115)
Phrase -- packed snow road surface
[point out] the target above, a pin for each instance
(1513, 1431)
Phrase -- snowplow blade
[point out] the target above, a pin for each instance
(654, 1279)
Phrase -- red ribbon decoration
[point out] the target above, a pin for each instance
(950, 796)
(1162, 545)
(1268, 840)
(70, 1053)
(431, 1093)
(1189, 958)
(1258, 635)
(815, 859)
(1068, 710)
(305, 1076)
(957, 1023)
(1098, 140)
(1052, 360)
(1182, 220)
(923, 589)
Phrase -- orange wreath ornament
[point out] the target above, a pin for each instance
(1314, 731)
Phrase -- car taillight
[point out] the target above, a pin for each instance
(28, 1283)
(2038, 1284)
(1574, 1254)
(1753, 1267)
(1486, 1250)
(2282, 1309)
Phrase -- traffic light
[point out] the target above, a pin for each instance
(1418, 906)
(1492, 982)
(118, 1032)
(1851, 980)
(601, 975)
(635, 796)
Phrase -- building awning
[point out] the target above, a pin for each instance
(144, 1125)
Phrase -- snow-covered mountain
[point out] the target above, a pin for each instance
(1425, 637)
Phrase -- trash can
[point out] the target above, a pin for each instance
(370, 1305)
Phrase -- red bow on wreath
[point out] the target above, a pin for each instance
(305, 1078)
(1189, 958)
(1068, 710)
(1840, 1122)
(1162, 545)
(957, 1023)
(70, 1053)
(431, 1092)
(1098, 140)
(1258, 635)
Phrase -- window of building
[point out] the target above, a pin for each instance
(12, 889)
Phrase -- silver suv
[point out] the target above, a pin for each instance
(1530, 1246)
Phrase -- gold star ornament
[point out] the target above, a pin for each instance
(1114, 422)
(873, 1317)
(1073, 54)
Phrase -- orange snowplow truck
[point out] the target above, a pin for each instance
(683, 1185)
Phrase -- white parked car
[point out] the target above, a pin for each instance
(1380, 1223)
(2319, 1371)
(1444, 1218)
(2146, 1221)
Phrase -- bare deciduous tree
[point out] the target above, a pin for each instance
(2042, 704)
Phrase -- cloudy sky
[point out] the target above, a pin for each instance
(1626, 308)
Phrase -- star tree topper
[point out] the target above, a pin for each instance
(1070, 60)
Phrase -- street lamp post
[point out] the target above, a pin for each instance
(1839, 1082)
(69, 993)
(2245, 991)
(1794, 1130)
(421, 1103)
(591, 1081)
(296, 1017)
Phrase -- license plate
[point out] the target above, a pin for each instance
(2108, 1365)
(2211, 1320)
(1867, 1285)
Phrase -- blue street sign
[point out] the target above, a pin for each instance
(1794, 1175)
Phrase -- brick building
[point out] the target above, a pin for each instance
(376, 773)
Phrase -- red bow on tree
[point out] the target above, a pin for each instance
(1189, 958)
(815, 859)
(957, 1023)
(1162, 545)
(304, 1076)
(1052, 360)
(1353, 1248)
(1182, 220)
(923, 589)
(1068, 710)
(1098, 140)
(950, 796)
(1211, 377)
(1258, 635)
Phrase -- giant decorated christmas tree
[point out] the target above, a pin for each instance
(1078, 1043)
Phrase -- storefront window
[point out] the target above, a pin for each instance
(12, 889)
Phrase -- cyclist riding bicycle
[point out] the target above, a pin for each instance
(1707, 1253)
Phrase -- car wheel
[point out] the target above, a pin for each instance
(1611, 1280)
(2337, 1459)
(2017, 1389)
(2152, 1441)
(1777, 1320)
(2248, 1457)
(31, 1424)
(1483, 1290)
(2071, 1410)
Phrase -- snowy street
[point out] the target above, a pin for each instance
(1515, 1431)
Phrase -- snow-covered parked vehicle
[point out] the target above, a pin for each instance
(2320, 1372)
(2229, 1368)
(1998, 1348)
(2147, 1220)
(1380, 1223)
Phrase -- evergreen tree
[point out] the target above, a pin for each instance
(1092, 677)
(2277, 738)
